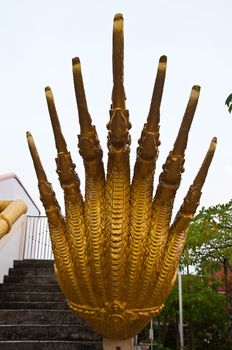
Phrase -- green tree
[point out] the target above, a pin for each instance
(204, 317)
(209, 248)
(229, 103)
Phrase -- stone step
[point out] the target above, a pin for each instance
(34, 314)
(34, 317)
(21, 287)
(50, 345)
(33, 263)
(20, 305)
(51, 332)
(29, 279)
(31, 297)
(30, 271)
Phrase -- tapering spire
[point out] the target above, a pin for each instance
(153, 118)
(58, 136)
(202, 173)
(118, 93)
(182, 137)
(84, 116)
(41, 175)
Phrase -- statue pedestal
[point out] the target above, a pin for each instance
(117, 344)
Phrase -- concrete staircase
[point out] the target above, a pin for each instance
(34, 314)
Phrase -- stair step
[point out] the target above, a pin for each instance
(33, 305)
(34, 314)
(51, 332)
(33, 263)
(22, 287)
(52, 317)
(50, 345)
(28, 279)
(30, 271)
(31, 296)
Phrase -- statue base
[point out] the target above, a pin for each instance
(118, 344)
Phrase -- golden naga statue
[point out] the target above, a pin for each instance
(116, 251)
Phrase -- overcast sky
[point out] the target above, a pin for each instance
(38, 41)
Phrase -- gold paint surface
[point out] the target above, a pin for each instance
(10, 211)
(116, 250)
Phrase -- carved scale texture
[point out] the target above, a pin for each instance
(64, 264)
(169, 267)
(78, 248)
(141, 204)
(94, 225)
(154, 250)
(117, 222)
(116, 254)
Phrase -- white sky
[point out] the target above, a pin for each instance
(38, 40)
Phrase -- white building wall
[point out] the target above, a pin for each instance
(11, 188)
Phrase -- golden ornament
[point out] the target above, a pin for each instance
(116, 251)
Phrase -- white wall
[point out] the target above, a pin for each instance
(11, 188)
(12, 246)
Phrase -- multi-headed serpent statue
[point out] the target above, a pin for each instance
(116, 251)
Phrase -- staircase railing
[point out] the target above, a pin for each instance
(37, 242)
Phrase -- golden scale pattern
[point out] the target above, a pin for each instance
(116, 251)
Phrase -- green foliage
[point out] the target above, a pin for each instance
(209, 240)
(205, 311)
(209, 249)
(207, 314)
(229, 103)
(204, 315)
